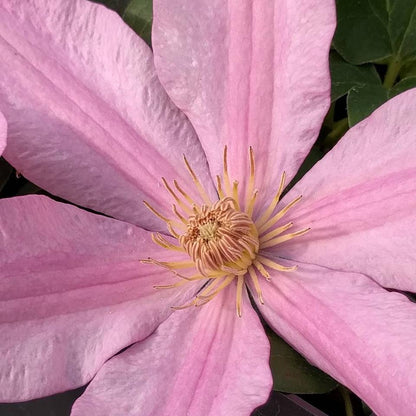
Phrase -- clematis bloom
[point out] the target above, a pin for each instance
(89, 120)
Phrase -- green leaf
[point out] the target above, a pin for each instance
(401, 24)
(362, 101)
(403, 85)
(139, 16)
(376, 30)
(408, 70)
(345, 76)
(292, 373)
(361, 36)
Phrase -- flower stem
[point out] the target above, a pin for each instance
(339, 128)
(329, 118)
(393, 69)
(347, 401)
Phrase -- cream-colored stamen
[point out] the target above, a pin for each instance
(219, 236)
(268, 224)
(222, 241)
(256, 283)
(198, 185)
(186, 208)
(266, 215)
(225, 177)
(250, 186)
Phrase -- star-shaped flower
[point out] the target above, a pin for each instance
(89, 120)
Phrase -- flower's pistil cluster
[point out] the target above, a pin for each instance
(221, 242)
(221, 238)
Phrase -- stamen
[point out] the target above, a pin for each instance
(211, 294)
(279, 215)
(240, 282)
(183, 193)
(185, 207)
(161, 241)
(250, 186)
(261, 269)
(176, 212)
(171, 265)
(275, 232)
(250, 203)
(157, 213)
(256, 283)
(168, 221)
(283, 238)
(219, 188)
(235, 196)
(218, 236)
(275, 266)
(198, 185)
(222, 242)
(198, 276)
(208, 293)
(173, 233)
(234, 271)
(210, 288)
(273, 204)
(177, 284)
(187, 305)
(225, 177)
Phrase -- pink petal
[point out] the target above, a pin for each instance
(3, 133)
(248, 73)
(351, 328)
(72, 294)
(203, 361)
(88, 118)
(360, 200)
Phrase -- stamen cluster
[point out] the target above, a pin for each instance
(221, 238)
(221, 242)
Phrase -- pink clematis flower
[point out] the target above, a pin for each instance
(89, 121)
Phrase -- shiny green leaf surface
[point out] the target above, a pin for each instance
(362, 101)
(345, 76)
(376, 30)
(139, 15)
(403, 85)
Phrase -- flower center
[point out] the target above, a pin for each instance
(221, 238)
(222, 243)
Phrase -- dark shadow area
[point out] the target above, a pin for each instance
(56, 405)
(287, 405)
(60, 405)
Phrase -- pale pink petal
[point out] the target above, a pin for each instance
(88, 118)
(3, 133)
(72, 294)
(248, 73)
(360, 200)
(200, 361)
(351, 328)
